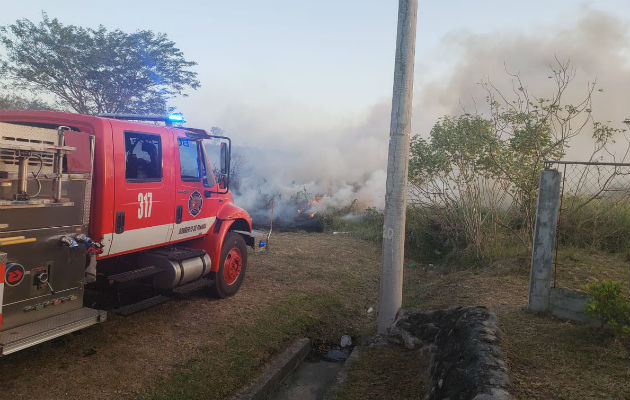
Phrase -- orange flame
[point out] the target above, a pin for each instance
(316, 200)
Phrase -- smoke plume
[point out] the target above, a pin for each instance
(597, 45)
(291, 150)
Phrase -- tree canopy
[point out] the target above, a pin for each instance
(94, 71)
(15, 102)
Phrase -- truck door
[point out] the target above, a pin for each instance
(195, 206)
(143, 191)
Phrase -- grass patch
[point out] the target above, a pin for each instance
(324, 285)
(602, 223)
(314, 285)
(246, 346)
(554, 359)
(426, 239)
(389, 372)
(578, 267)
(366, 225)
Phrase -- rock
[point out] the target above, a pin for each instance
(466, 358)
(409, 340)
(337, 355)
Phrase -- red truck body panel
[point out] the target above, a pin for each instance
(150, 206)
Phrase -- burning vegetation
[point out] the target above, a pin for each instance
(299, 211)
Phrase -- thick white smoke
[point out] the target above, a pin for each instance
(290, 150)
(334, 167)
(597, 45)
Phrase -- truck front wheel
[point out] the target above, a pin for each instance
(232, 266)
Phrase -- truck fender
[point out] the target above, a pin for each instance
(213, 241)
(230, 211)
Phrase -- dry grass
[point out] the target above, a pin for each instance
(315, 285)
(548, 358)
(391, 372)
(578, 267)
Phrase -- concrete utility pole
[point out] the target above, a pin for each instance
(390, 299)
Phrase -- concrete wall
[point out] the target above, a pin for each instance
(569, 304)
(544, 240)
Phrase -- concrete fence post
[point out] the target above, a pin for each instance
(544, 240)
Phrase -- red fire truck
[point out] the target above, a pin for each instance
(117, 204)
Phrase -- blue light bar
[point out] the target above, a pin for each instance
(176, 117)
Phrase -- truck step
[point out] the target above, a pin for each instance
(193, 286)
(178, 253)
(134, 274)
(27, 335)
(141, 305)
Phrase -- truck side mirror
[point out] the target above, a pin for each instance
(224, 182)
(225, 158)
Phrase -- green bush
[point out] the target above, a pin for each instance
(609, 305)
(425, 238)
(371, 225)
(367, 225)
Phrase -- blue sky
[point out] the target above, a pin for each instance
(333, 56)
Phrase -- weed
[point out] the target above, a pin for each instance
(609, 305)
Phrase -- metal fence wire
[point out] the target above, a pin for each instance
(594, 207)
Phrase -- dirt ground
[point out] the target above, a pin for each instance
(316, 285)
(136, 356)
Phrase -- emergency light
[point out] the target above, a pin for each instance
(176, 117)
(169, 119)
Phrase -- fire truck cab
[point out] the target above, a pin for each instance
(90, 204)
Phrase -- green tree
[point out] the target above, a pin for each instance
(451, 175)
(94, 71)
(480, 173)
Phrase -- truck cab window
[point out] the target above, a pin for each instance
(143, 157)
(189, 161)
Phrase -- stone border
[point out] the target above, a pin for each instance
(276, 371)
(466, 359)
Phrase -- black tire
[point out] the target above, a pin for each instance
(227, 284)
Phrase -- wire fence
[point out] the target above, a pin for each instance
(594, 208)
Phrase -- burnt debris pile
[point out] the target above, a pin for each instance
(299, 211)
